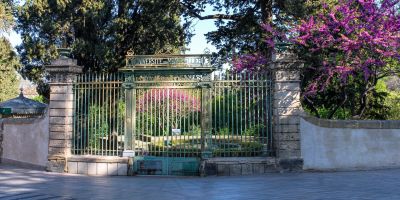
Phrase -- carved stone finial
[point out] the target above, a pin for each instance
(64, 52)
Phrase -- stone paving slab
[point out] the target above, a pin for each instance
(30, 196)
(30, 184)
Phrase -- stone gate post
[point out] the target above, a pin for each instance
(62, 75)
(286, 110)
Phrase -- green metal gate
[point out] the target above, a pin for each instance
(168, 130)
(172, 111)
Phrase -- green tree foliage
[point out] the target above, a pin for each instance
(239, 23)
(338, 102)
(390, 85)
(8, 60)
(6, 18)
(99, 32)
(8, 76)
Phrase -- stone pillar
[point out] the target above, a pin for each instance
(286, 110)
(62, 75)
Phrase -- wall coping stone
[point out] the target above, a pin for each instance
(97, 159)
(30, 120)
(353, 124)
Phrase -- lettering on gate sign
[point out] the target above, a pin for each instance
(180, 60)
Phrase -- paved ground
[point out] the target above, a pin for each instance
(17, 183)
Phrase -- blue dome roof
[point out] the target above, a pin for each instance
(24, 106)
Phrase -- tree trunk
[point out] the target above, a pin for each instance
(312, 107)
(338, 106)
(266, 18)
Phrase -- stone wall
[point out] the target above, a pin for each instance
(350, 144)
(24, 141)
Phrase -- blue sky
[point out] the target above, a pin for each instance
(199, 42)
(14, 38)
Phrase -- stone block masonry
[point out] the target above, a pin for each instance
(62, 75)
(286, 111)
(97, 165)
(240, 166)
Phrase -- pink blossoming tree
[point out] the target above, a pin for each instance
(348, 48)
(355, 37)
(156, 106)
(353, 44)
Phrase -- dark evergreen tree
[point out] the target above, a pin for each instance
(99, 32)
(8, 59)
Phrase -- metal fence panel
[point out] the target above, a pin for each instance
(168, 115)
(99, 114)
(241, 118)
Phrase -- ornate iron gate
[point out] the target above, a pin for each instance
(168, 111)
(172, 111)
(168, 125)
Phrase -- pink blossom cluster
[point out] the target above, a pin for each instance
(178, 100)
(257, 61)
(249, 62)
(354, 37)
